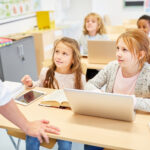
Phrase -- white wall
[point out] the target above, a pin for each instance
(73, 12)
(17, 26)
(115, 10)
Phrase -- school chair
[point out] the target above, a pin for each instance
(107, 20)
(130, 22)
(114, 36)
(22, 136)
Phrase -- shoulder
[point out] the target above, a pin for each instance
(145, 70)
(44, 71)
(112, 65)
(83, 77)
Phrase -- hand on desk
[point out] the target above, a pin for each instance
(39, 128)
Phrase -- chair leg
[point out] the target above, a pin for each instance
(16, 146)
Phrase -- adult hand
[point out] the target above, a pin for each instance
(27, 81)
(39, 128)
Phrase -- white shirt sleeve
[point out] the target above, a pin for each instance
(5, 95)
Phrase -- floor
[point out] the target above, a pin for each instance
(6, 144)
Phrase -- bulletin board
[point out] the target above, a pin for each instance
(133, 3)
(11, 9)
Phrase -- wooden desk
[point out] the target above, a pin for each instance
(90, 130)
(92, 66)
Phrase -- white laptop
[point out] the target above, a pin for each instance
(106, 105)
(101, 52)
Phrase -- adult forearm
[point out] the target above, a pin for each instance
(12, 113)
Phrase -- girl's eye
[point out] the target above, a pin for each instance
(65, 54)
(117, 47)
(56, 51)
(125, 50)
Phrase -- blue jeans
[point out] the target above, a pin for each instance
(33, 143)
(89, 147)
(64, 145)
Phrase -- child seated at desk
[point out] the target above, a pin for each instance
(93, 29)
(130, 74)
(65, 72)
(143, 24)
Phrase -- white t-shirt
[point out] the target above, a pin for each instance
(5, 95)
(64, 80)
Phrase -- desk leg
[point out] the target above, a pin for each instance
(13, 142)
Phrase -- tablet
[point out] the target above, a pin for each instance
(29, 97)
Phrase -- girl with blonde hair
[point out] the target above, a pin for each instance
(93, 29)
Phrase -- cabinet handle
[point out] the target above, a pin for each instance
(21, 52)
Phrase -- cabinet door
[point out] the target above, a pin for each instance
(18, 59)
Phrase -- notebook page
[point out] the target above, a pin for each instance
(57, 95)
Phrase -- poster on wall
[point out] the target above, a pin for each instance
(129, 3)
(16, 8)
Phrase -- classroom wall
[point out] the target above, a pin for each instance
(17, 26)
(71, 13)
(116, 11)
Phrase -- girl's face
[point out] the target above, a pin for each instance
(125, 58)
(144, 25)
(91, 24)
(63, 58)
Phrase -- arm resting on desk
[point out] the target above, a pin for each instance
(36, 129)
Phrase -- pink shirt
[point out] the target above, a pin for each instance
(124, 85)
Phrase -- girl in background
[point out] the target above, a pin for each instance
(93, 29)
(129, 74)
(65, 72)
(143, 23)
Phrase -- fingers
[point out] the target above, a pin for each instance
(40, 138)
(45, 137)
(45, 121)
(53, 130)
(26, 80)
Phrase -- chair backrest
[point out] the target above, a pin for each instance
(107, 20)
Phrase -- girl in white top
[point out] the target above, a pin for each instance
(65, 72)
(93, 29)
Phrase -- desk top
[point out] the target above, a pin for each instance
(90, 130)
(92, 66)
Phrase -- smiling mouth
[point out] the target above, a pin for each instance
(120, 60)
(59, 62)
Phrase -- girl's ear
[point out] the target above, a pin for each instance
(141, 54)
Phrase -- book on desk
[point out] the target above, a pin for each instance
(55, 99)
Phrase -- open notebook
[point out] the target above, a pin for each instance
(55, 99)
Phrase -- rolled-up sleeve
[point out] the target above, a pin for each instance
(5, 95)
